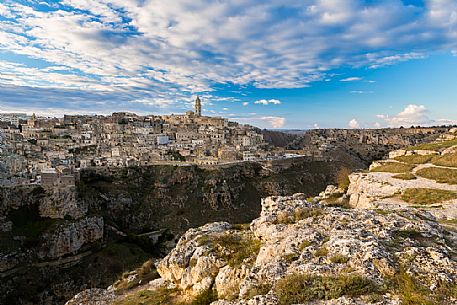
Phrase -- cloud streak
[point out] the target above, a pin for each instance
(151, 50)
(268, 102)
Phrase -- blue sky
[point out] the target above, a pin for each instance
(270, 63)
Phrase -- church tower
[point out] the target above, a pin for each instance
(198, 107)
(32, 121)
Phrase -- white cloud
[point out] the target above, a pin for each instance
(351, 79)
(262, 121)
(159, 103)
(189, 46)
(360, 92)
(245, 103)
(413, 115)
(274, 121)
(316, 126)
(267, 102)
(354, 124)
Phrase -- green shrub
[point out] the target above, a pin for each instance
(424, 196)
(394, 167)
(304, 288)
(440, 175)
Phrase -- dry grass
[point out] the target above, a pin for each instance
(415, 159)
(394, 167)
(412, 292)
(145, 273)
(405, 176)
(424, 196)
(299, 214)
(322, 251)
(440, 175)
(157, 297)
(165, 296)
(446, 160)
(435, 146)
(234, 248)
(339, 259)
(342, 177)
(304, 288)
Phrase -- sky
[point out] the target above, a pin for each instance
(269, 63)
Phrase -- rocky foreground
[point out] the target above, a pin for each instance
(303, 252)
(389, 239)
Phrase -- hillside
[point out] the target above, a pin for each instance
(61, 241)
(379, 242)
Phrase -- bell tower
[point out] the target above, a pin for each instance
(198, 106)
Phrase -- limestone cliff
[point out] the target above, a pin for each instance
(59, 241)
(422, 177)
(301, 252)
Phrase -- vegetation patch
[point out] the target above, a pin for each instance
(304, 244)
(415, 159)
(342, 178)
(322, 251)
(290, 257)
(233, 248)
(165, 296)
(157, 297)
(147, 272)
(241, 226)
(260, 289)
(339, 259)
(405, 176)
(299, 214)
(440, 175)
(446, 160)
(435, 146)
(412, 292)
(394, 167)
(383, 212)
(303, 288)
(425, 196)
(449, 221)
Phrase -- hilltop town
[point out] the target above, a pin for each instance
(53, 150)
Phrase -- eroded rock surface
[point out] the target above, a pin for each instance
(296, 238)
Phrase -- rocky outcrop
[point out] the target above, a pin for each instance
(62, 202)
(371, 254)
(383, 186)
(48, 233)
(93, 296)
(70, 238)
